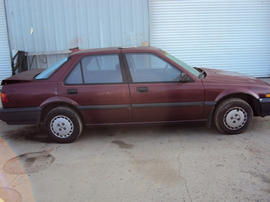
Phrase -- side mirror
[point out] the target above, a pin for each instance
(184, 77)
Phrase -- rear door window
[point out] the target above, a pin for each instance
(97, 69)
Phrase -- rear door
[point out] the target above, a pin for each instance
(98, 86)
(157, 93)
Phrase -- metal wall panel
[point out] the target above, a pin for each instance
(38, 26)
(228, 35)
(5, 63)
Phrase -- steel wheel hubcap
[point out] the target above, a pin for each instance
(235, 118)
(61, 126)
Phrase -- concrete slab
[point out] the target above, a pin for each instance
(149, 163)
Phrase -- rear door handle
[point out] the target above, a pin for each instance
(72, 91)
(142, 90)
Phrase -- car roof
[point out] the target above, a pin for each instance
(115, 49)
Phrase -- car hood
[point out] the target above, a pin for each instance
(219, 76)
(23, 76)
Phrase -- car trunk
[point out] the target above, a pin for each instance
(22, 77)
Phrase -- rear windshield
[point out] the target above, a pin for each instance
(48, 72)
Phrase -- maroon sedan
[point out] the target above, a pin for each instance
(130, 86)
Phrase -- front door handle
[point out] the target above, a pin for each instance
(72, 91)
(142, 90)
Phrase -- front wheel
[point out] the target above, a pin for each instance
(63, 125)
(233, 116)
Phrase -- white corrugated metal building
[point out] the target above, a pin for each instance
(221, 34)
(230, 35)
(5, 67)
(48, 28)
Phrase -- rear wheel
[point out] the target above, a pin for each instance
(233, 116)
(63, 125)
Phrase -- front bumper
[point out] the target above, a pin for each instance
(265, 106)
(17, 116)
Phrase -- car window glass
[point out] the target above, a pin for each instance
(48, 72)
(90, 63)
(192, 70)
(75, 77)
(97, 69)
(147, 67)
(101, 69)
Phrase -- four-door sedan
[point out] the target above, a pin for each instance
(136, 85)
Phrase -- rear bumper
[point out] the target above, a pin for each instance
(265, 106)
(17, 116)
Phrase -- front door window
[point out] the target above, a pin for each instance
(147, 67)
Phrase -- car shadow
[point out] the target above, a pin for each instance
(110, 133)
(137, 131)
(31, 133)
(26, 133)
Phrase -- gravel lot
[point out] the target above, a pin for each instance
(145, 163)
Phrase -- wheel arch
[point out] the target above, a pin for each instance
(250, 99)
(49, 106)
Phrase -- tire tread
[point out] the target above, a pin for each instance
(221, 106)
(73, 112)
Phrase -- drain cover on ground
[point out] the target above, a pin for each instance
(10, 195)
(28, 163)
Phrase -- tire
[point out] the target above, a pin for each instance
(63, 125)
(233, 116)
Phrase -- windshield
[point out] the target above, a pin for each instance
(192, 70)
(48, 72)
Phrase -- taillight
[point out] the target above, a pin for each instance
(4, 98)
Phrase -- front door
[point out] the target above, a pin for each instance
(157, 93)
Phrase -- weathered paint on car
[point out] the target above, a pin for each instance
(198, 98)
